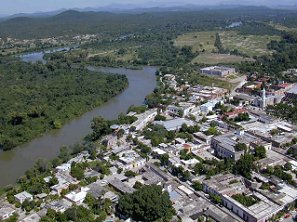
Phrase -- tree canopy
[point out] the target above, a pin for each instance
(149, 203)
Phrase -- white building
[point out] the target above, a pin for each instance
(183, 108)
(144, 119)
(207, 107)
(21, 197)
(6, 212)
(175, 124)
(64, 167)
(218, 70)
(77, 197)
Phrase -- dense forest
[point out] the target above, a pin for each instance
(72, 23)
(35, 98)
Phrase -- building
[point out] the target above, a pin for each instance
(202, 137)
(34, 217)
(21, 197)
(120, 186)
(169, 80)
(77, 197)
(228, 185)
(175, 124)
(292, 93)
(59, 205)
(144, 118)
(234, 113)
(225, 145)
(183, 109)
(218, 71)
(6, 212)
(203, 93)
(207, 107)
(129, 160)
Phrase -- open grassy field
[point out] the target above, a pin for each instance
(213, 59)
(128, 55)
(203, 42)
(282, 27)
(200, 41)
(251, 45)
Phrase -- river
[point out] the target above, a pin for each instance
(14, 163)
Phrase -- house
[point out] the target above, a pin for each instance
(77, 197)
(183, 109)
(202, 137)
(34, 217)
(120, 186)
(207, 107)
(189, 163)
(59, 205)
(6, 212)
(129, 159)
(64, 167)
(21, 197)
(235, 113)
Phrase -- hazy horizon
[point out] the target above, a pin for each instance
(9, 7)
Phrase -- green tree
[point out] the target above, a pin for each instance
(149, 203)
(197, 186)
(244, 165)
(100, 127)
(260, 152)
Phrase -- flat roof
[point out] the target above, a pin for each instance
(218, 68)
(293, 90)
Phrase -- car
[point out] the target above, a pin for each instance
(287, 215)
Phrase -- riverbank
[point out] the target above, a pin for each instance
(14, 163)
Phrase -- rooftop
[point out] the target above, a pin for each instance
(293, 90)
(228, 184)
(175, 124)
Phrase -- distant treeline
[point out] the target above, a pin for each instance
(72, 23)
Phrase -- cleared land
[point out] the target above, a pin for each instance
(200, 41)
(282, 27)
(213, 58)
(203, 42)
(251, 45)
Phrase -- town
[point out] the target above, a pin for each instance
(219, 154)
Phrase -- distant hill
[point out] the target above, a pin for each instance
(73, 22)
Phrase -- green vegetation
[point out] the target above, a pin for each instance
(242, 117)
(36, 98)
(148, 203)
(245, 200)
(284, 110)
(215, 198)
(244, 165)
(197, 186)
(215, 58)
(240, 147)
(249, 45)
(281, 173)
(199, 41)
(158, 134)
(260, 152)
(283, 59)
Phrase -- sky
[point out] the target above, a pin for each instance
(8, 7)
